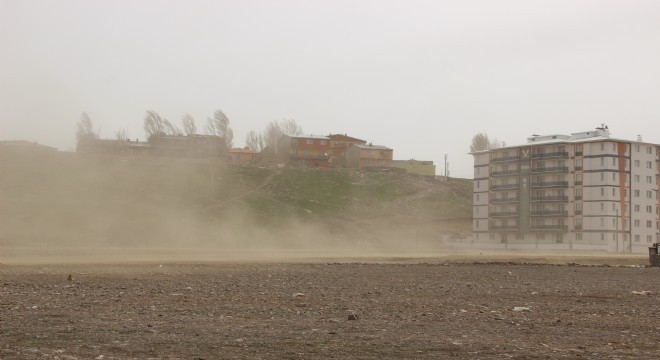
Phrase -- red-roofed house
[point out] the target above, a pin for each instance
(242, 155)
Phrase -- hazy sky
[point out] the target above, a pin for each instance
(421, 77)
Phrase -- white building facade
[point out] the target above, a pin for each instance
(584, 191)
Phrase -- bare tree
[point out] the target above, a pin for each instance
(85, 129)
(290, 127)
(154, 124)
(254, 141)
(271, 136)
(219, 125)
(121, 134)
(481, 142)
(189, 126)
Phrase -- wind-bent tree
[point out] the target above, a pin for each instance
(254, 141)
(85, 129)
(154, 124)
(189, 127)
(219, 125)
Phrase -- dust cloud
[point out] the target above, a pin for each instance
(69, 207)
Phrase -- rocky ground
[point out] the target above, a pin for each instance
(329, 310)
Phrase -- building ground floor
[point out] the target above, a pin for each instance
(612, 242)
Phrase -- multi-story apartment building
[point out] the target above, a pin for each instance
(584, 191)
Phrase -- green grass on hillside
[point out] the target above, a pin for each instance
(123, 199)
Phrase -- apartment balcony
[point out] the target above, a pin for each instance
(503, 227)
(578, 182)
(549, 198)
(504, 201)
(550, 227)
(561, 184)
(558, 154)
(504, 214)
(550, 169)
(578, 168)
(505, 159)
(578, 153)
(578, 197)
(504, 186)
(578, 212)
(505, 172)
(578, 227)
(561, 213)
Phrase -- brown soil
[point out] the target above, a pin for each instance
(404, 309)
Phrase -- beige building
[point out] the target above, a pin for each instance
(584, 191)
(418, 167)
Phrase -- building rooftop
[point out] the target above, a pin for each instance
(372, 147)
(601, 133)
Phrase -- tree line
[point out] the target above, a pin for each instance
(218, 125)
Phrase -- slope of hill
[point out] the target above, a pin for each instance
(72, 200)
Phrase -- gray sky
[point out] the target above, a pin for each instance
(421, 77)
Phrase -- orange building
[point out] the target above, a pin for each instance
(304, 150)
(361, 156)
(339, 145)
(242, 155)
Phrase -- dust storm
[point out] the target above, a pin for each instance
(71, 207)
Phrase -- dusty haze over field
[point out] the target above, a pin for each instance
(421, 77)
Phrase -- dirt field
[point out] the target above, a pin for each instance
(403, 308)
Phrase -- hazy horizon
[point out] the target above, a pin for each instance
(421, 77)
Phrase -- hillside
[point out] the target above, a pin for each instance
(72, 200)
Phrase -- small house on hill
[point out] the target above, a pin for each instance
(339, 145)
(362, 156)
(163, 145)
(242, 155)
(415, 166)
(189, 145)
(304, 150)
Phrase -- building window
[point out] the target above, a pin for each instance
(309, 141)
(649, 165)
(648, 150)
(636, 193)
(649, 209)
(636, 163)
(636, 238)
(649, 238)
(649, 223)
(520, 236)
(323, 142)
(602, 191)
(636, 208)
(649, 194)
(636, 178)
(636, 223)
(578, 236)
(636, 148)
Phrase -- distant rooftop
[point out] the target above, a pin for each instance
(602, 132)
(372, 147)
